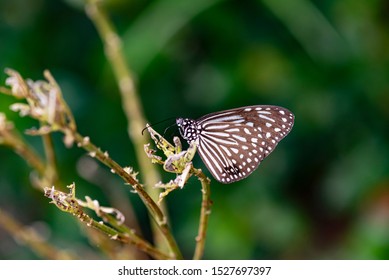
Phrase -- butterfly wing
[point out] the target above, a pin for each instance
(232, 143)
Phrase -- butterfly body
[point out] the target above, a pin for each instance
(232, 143)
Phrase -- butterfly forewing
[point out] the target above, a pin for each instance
(232, 143)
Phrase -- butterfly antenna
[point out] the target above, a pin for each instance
(166, 129)
(147, 126)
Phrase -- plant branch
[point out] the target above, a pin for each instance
(153, 208)
(70, 204)
(130, 101)
(51, 165)
(31, 237)
(11, 138)
(46, 104)
(180, 162)
(204, 214)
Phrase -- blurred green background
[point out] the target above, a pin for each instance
(322, 194)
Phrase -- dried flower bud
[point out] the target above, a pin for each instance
(19, 88)
(44, 102)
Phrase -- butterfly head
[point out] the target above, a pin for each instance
(188, 129)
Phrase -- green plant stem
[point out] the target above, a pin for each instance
(51, 165)
(16, 143)
(153, 208)
(70, 204)
(130, 101)
(31, 238)
(206, 204)
(128, 237)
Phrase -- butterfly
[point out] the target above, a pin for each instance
(233, 143)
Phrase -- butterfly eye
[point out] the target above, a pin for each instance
(232, 143)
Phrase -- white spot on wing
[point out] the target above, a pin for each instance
(247, 131)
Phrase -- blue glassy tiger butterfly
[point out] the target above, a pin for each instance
(233, 143)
